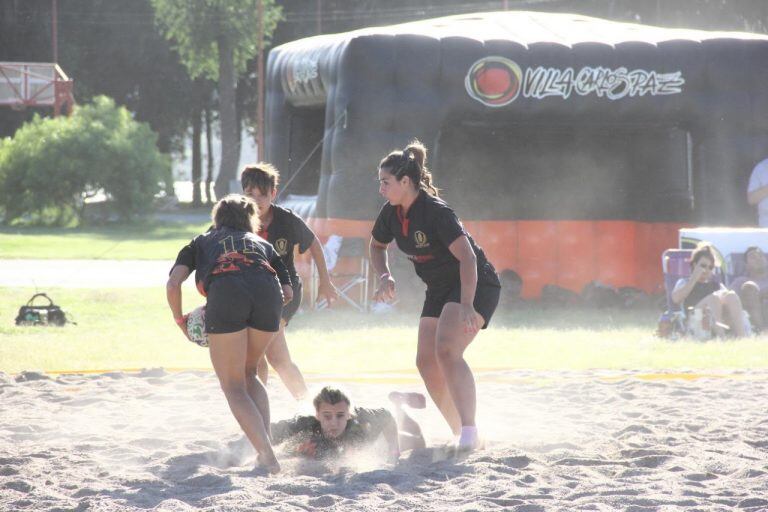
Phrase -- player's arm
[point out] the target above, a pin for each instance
(178, 275)
(283, 276)
(385, 289)
(462, 251)
(391, 436)
(325, 288)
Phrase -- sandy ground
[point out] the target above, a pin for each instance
(556, 441)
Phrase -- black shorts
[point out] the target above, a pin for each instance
(292, 307)
(241, 300)
(486, 300)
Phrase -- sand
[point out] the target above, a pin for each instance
(555, 441)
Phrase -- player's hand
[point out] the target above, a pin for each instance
(385, 292)
(182, 323)
(326, 291)
(697, 272)
(287, 293)
(471, 319)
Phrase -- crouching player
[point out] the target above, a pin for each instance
(335, 429)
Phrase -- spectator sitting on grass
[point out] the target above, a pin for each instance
(702, 291)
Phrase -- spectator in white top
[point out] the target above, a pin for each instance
(757, 192)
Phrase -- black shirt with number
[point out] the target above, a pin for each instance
(304, 437)
(286, 231)
(224, 251)
(424, 234)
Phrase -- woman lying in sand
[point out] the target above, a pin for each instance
(334, 429)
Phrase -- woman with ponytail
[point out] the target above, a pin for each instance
(241, 276)
(462, 286)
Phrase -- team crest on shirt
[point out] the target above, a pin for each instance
(421, 240)
(281, 246)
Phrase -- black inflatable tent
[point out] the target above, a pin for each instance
(573, 147)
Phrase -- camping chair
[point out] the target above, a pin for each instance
(349, 271)
(736, 266)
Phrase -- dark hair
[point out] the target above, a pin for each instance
(261, 175)
(703, 250)
(750, 249)
(331, 396)
(237, 212)
(411, 162)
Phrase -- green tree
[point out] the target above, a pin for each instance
(215, 39)
(51, 165)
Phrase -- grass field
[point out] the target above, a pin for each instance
(148, 240)
(132, 329)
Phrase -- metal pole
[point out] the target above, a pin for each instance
(54, 31)
(260, 98)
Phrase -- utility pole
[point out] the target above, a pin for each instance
(54, 30)
(260, 93)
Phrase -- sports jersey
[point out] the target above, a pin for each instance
(424, 234)
(224, 251)
(285, 231)
(305, 437)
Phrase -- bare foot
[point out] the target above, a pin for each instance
(412, 400)
(268, 463)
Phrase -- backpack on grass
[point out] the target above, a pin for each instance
(50, 314)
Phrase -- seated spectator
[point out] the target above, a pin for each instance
(752, 287)
(702, 291)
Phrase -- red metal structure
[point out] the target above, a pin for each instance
(35, 84)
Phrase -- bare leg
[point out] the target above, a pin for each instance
(715, 306)
(732, 307)
(452, 340)
(280, 359)
(228, 355)
(409, 432)
(753, 304)
(432, 373)
(262, 370)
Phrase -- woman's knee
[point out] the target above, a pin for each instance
(750, 290)
(426, 363)
(731, 298)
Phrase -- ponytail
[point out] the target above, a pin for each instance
(411, 162)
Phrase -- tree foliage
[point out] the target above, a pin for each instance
(51, 165)
(197, 26)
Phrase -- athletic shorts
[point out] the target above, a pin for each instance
(292, 307)
(486, 300)
(240, 300)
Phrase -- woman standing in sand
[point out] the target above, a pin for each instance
(239, 274)
(285, 230)
(462, 286)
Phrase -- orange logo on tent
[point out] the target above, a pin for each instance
(494, 81)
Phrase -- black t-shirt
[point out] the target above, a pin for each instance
(424, 234)
(285, 231)
(224, 250)
(305, 437)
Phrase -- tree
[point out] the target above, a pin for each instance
(215, 39)
(51, 165)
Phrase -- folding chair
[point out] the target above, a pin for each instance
(350, 274)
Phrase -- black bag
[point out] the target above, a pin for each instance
(41, 315)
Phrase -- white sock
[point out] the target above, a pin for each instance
(468, 437)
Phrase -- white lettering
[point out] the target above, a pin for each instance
(613, 84)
